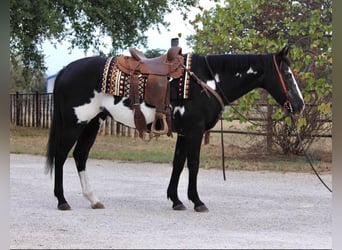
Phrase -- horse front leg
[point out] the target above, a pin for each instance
(178, 165)
(193, 157)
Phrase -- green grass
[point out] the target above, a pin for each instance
(133, 155)
(241, 153)
(34, 140)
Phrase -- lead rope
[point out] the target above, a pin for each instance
(288, 105)
(239, 113)
(222, 151)
(308, 158)
(221, 118)
(207, 88)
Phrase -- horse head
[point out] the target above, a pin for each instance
(282, 84)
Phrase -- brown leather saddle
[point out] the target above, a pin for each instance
(157, 89)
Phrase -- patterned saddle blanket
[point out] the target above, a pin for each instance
(116, 82)
(142, 82)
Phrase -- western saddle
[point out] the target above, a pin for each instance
(157, 89)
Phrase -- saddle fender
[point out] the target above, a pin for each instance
(157, 89)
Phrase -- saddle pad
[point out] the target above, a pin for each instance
(116, 82)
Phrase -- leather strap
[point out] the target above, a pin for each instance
(206, 88)
(139, 118)
(281, 78)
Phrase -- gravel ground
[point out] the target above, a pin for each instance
(249, 210)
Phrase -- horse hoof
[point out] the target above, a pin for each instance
(97, 205)
(64, 206)
(179, 207)
(201, 209)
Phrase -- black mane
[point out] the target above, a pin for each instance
(234, 62)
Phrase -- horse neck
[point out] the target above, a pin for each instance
(238, 74)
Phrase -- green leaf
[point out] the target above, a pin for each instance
(301, 123)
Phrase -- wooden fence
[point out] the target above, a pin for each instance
(31, 110)
(35, 110)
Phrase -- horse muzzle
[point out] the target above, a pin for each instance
(291, 109)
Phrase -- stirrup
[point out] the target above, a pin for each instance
(153, 127)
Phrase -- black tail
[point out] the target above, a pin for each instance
(54, 130)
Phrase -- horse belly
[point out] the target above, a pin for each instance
(119, 111)
(123, 114)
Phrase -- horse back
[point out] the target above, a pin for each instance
(81, 75)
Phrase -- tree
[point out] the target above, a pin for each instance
(18, 83)
(154, 52)
(83, 23)
(265, 26)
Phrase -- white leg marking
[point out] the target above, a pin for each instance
(86, 189)
(180, 109)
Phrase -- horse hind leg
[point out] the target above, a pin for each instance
(67, 140)
(80, 154)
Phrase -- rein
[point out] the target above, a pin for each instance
(308, 158)
(287, 105)
(206, 87)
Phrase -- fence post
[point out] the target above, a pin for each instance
(269, 132)
(37, 109)
(17, 108)
(117, 129)
(207, 137)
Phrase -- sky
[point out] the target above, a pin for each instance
(57, 58)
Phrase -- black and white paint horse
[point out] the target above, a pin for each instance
(79, 105)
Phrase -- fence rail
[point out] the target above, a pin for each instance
(35, 110)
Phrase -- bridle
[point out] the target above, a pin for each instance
(288, 107)
(287, 104)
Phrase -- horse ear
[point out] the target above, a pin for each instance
(284, 52)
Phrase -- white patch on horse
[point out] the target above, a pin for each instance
(86, 189)
(119, 111)
(238, 74)
(212, 83)
(251, 71)
(180, 109)
(88, 111)
(295, 83)
(217, 78)
(125, 115)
